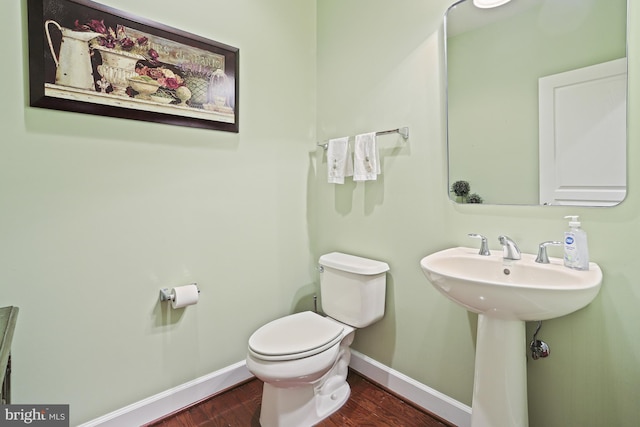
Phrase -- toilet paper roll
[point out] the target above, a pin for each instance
(184, 296)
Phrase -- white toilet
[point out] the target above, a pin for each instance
(303, 358)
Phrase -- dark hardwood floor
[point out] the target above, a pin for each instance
(369, 405)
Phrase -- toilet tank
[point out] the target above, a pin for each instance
(353, 288)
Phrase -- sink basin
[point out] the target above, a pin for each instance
(518, 290)
(505, 294)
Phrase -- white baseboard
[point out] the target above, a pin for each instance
(169, 401)
(411, 390)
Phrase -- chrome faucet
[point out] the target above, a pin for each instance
(484, 245)
(509, 248)
(543, 258)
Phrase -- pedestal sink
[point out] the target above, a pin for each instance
(506, 294)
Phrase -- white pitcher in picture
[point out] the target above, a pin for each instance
(73, 63)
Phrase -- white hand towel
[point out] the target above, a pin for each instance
(339, 163)
(366, 158)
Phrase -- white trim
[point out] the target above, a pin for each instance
(176, 398)
(411, 390)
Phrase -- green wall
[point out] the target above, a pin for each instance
(98, 214)
(380, 66)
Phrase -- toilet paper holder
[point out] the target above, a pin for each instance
(166, 295)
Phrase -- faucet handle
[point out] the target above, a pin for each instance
(484, 244)
(542, 257)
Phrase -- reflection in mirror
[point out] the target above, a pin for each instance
(536, 101)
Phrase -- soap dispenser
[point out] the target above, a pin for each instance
(576, 251)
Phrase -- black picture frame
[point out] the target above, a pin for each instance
(196, 78)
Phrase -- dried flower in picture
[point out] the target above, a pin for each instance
(117, 39)
(190, 69)
(164, 76)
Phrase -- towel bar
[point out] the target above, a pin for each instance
(403, 131)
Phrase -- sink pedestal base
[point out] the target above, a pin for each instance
(500, 383)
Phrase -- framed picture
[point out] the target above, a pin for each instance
(89, 58)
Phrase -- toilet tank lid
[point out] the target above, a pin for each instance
(353, 264)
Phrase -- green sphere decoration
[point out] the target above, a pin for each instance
(461, 188)
(474, 198)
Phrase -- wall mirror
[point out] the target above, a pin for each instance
(536, 102)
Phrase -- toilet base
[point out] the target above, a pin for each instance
(308, 403)
(301, 406)
(304, 400)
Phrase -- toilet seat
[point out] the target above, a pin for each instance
(294, 337)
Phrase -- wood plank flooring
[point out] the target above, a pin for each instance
(369, 405)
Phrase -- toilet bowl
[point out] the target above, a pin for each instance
(294, 348)
(303, 358)
(305, 378)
